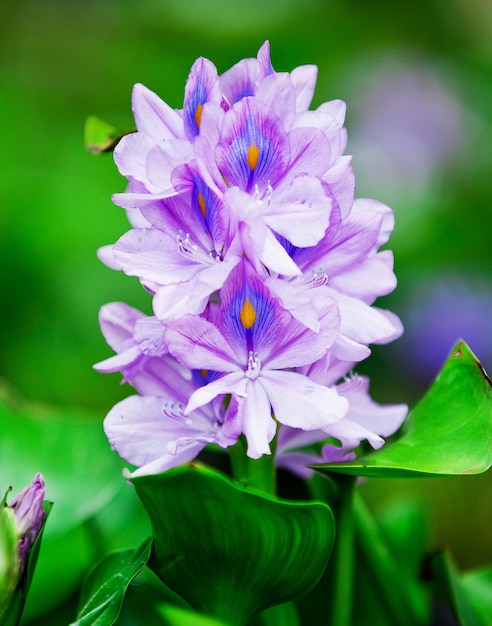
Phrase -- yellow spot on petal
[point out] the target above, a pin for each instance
(204, 373)
(198, 114)
(247, 315)
(252, 156)
(201, 204)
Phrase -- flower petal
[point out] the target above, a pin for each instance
(153, 116)
(256, 419)
(299, 402)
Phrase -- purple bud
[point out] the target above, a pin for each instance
(29, 515)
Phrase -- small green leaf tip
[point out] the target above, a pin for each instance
(99, 136)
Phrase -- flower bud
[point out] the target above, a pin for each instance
(20, 523)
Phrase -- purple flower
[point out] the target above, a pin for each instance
(253, 344)
(263, 272)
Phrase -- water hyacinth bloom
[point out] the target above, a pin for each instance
(263, 271)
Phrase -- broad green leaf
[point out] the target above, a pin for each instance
(230, 552)
(449, 432)
(447, 585)
(105, 586)
(99, 136)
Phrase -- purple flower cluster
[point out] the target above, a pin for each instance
(262, 267)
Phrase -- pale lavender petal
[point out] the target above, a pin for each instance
(256, 418)
(300, 212)
(363, 323)
(197, 343)
(144, 429)
(149, 335)
(387, 215)
(106, 256)
(326, 123)
(297, 300)
(168, 461)
(119, 362)
(347, 349)
(254, 236)
(310, 152)
(299, 402)
(370, 279)
(153, 116)
(153, 255)
(304, 80)
(278, 93)
(130, 156)
(335, 108)
(117, 321)
(264, 61)
(384, 420)
(176, 300)
(240, 80)
(235, 383)
(299, 345)
(161, 161)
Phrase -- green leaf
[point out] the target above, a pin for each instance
(477, 585)
(448, 585)
(178, 616)
(449, 432)
(105, 586)
(230, 552)
(99, 136)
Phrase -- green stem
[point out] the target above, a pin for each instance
(258, 474)
(338, 493)
(401, 596)
(343, 557)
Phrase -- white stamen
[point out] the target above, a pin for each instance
(319, 278)
(254, 366)
(264, 198)
(174, 410)
(184, 243)
(187, 248)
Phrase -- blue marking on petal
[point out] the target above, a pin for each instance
(192, 108)
(201, 87)
(209, 210)
(254, 150)
(242, 291)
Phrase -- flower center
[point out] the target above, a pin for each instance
(254, 366)
(189, 249)
(319, 277)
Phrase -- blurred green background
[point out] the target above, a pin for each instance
(417, 79)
